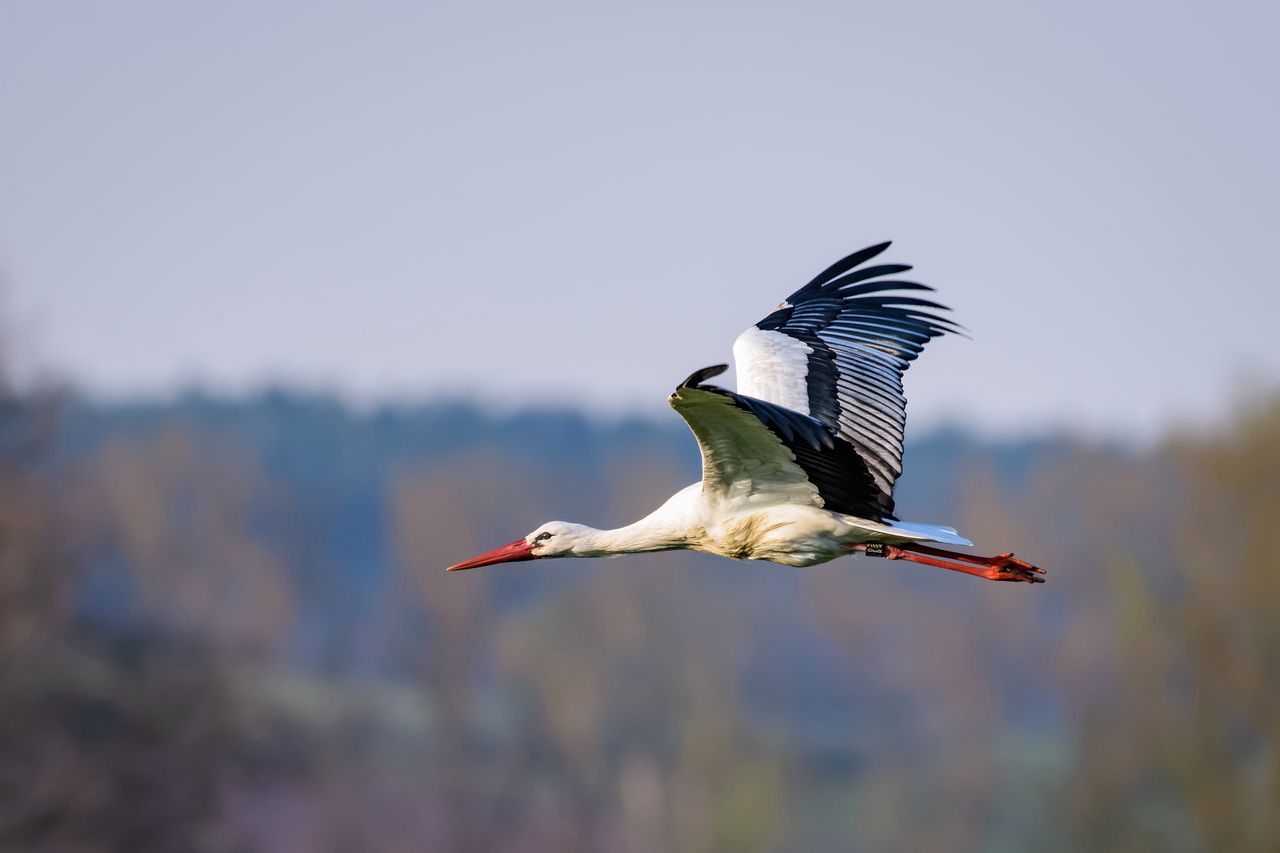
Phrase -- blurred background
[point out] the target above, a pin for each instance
(305, 301)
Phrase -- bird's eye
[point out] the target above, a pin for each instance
(542, 537)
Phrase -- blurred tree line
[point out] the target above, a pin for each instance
(226, 626)
(114, 732)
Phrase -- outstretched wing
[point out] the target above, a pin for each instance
(836, 350)
(755, 450)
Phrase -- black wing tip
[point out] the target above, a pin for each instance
(848, 262)
(848, 290)
(867, 253)
(699, 376)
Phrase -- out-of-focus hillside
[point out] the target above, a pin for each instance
(226, 626)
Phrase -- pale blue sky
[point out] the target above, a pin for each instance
(583, 202)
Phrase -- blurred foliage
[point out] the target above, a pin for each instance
(1184, 751)
(225, 626)
(111, 739)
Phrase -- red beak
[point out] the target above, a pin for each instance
(513, 553)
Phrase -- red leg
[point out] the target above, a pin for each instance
(1002, 567)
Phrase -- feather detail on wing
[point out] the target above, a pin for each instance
(836, 350)
(753, 448)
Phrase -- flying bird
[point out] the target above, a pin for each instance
(799, 464)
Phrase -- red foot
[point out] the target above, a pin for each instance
(1002, 567)
(1006, 567)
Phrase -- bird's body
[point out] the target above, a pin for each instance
(792, 534)
(799, 465)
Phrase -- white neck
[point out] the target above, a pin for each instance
(664, 529)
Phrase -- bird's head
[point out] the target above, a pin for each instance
(553, 539)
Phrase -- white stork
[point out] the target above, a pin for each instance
(798, 466)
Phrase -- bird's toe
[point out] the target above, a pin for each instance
(1008, 568)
